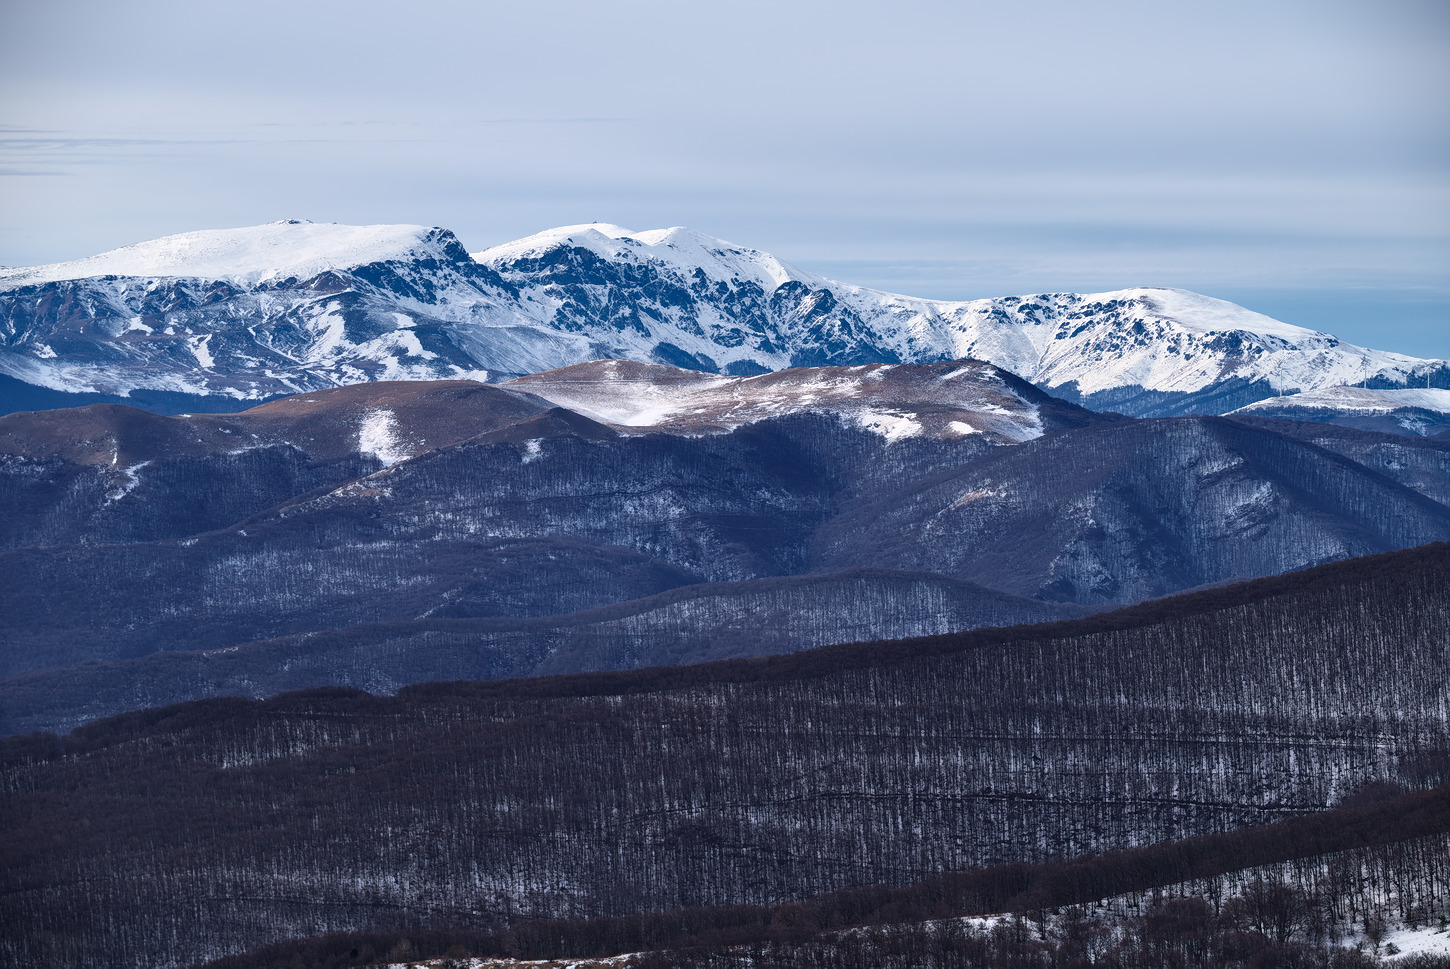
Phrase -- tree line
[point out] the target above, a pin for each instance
(1300, 890)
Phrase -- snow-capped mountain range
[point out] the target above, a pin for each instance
(242, 315)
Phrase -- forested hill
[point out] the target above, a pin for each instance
(1215, 901)
(169, 836)
(392, 533)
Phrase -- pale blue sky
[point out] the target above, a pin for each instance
(1293, 156)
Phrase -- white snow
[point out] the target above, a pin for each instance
(247, 255)
(504, 962)
(330, 329)
(894, 402)
(893, 427)
(1204, 314)
(682, 248)
(130, 478)
(378, 435)
(1158, 338)
(198, 347)
(1426, 941)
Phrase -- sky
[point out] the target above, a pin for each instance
(1289, 155)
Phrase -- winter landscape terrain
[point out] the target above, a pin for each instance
(637, 596)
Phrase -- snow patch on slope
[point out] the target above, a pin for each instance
(199, 349)
(893, 427)
(378, 435)
(125, 482)
(1429, 940)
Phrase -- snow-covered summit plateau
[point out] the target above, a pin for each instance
(248, 314)
(263, 253)
(1423, 411)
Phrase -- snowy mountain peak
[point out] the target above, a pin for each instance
(246, 256)
(1205, 314)
(677, 248)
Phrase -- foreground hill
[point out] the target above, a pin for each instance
(1322, 889)
(194, 831)
(896, 499)
(213, 319)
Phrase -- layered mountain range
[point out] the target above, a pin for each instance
(216, 320)
(618, 514)
(364, 459)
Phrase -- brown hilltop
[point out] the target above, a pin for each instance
(323, 423)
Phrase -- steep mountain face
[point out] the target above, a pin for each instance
(1420, 464)
(1422, 413)
(688, 299)
(1122, 512)
(170, 836)
(414, 502)
(248, 314)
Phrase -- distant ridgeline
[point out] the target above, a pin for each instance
(205, 320)
(175, 835)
